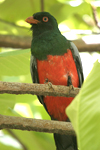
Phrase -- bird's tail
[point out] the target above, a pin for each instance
(65, 142)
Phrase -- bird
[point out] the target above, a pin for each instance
(55, 60)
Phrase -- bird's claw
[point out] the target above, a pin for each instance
(71, 87)
(46, 81)
(50, 85)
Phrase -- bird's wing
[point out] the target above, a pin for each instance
(34, 74)
(78, 62)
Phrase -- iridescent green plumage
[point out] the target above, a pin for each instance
(47, 39)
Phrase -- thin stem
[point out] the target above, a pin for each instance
(14, 136)
(42, 5)
(95, 16)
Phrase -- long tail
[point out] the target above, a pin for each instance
(65, 142)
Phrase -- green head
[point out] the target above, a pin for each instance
(42, 22)
(47, 39)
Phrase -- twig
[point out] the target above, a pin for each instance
(25, 42)
(15, 41)
(9, 122)
(14, 136)
(37, 89)
(83, 47)
(94, 12)
(42, 5)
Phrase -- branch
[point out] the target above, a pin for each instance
(42, 5)
(15, 41)
(94, 12)
(25, 42)
(8, 122)
(37, 89)
(39, 125)
(83, 47)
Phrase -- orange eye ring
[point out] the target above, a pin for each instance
(45, 19)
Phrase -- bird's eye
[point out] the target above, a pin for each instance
(45, 19)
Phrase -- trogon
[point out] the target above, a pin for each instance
(54, 59)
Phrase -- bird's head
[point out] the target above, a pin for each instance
(42, 22)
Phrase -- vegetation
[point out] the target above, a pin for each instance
(15, 63)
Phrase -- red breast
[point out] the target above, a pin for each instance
(56, 70)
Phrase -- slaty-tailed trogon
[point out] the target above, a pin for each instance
(54, 59)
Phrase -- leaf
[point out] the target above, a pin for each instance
(40, 141)
(84, 112)
(6, 147)
(14, 63)
(10, 29)
(27, 8)
(7, 102)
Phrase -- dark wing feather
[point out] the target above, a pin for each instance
(78, 63)
(35, 79)
(34, 74)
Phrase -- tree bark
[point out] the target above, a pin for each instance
(25, 42)
(9, 122)
(15, 41)
(38, 89)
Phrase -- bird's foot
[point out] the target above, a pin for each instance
(71, 88)
(48, 83)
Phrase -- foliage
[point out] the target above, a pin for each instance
(84, 111)
(14, 64)
(13, 14)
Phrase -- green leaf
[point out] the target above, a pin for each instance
(7, 102)
(40, 141)
(7, 147)
(26, 8)
(84, 112)
(15, 63)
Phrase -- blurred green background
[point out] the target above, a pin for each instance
(75, 21)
